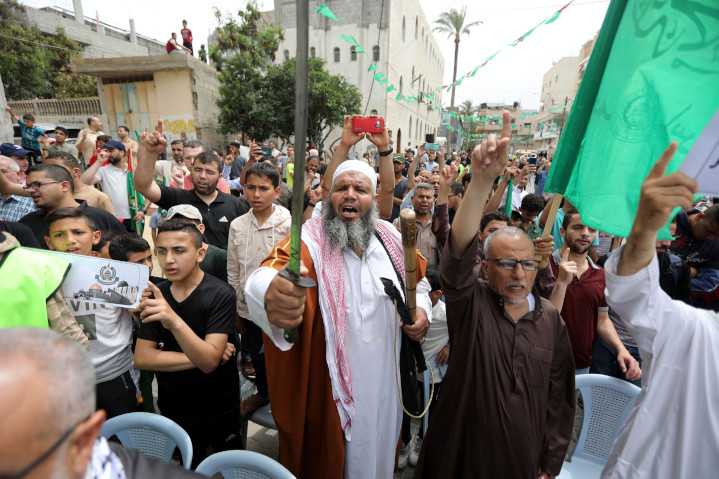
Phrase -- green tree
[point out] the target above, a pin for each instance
(258, 98)
(452, 23)
(37, 65)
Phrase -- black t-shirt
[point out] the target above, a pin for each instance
(399, 190)
(192, 395)
(216, 217)
(103, 221)
(21, 233)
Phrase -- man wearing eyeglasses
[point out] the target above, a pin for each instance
(13, 207)
(50, 428)
(51, 187)
(507, 402)
(579, 296)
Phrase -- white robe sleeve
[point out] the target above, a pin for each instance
(648, 312)
(255, 289)
(423, 301)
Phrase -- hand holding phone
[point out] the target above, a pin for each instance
(363, 124)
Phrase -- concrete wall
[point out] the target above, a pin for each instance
(104, 44)
(558, 83)
(6, 131)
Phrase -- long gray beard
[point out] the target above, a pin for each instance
(355, 236)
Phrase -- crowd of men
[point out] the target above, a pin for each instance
(505, 317)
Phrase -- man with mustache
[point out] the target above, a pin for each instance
(507, 402)
(579, 296)
(333, 393)
(114, 181)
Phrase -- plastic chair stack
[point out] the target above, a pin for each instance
(607, 403)
(151, 434)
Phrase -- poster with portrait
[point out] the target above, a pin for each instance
(105, 281)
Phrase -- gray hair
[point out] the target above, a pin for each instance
(512, 231)
(69, 377)
(424, 186)
(13, 164)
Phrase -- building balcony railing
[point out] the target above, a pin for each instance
(68, 107)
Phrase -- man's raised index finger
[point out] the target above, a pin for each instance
(660, 167)
(159, 126)
(506, 124)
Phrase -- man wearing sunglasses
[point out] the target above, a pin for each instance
(511, 375)
(50, 428)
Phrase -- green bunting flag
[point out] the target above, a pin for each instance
(325, 10)
(399, 96)
(349, 39)
(556, 14)
(383, 81)
(391, 88)
(378, 76)
(372, 67)
(632, 101)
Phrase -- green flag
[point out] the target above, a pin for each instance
(325, 10)
(644, 87)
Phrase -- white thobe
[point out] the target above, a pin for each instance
(372, 344)
(673, 431)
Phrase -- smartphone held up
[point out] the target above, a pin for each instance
(364, 124)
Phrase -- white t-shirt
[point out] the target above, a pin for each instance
(437, 338)
(109, 331)
(114, 183)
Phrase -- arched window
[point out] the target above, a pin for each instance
(286, 55)
(313, 52)
(373, 112)
(401, 88)
(404, 27)
(416, 126)
(410, 87)
(416, 26)
(353, 54)
(410, 128)
(337, 55)
(375, 53)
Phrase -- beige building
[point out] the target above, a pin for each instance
(584, 54)
(177, 89)
(397, 38)
(558, 90)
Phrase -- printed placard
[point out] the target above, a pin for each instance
(702, 161)
(105, 281)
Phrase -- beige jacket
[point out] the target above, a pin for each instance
(248, 246)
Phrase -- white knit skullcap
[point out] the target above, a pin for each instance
(359, 167)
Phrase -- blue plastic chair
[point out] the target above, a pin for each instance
(427, 386)
(243, 465)
(151, 434)
(607, 403)
(263, 417)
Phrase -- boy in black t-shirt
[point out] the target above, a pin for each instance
(191, 315)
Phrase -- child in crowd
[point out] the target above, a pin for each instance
(101, 248)
(108, 328)
(252, 238)
(215, 262)
(30, 134)
(191, 315)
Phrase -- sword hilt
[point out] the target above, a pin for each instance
(303, 282)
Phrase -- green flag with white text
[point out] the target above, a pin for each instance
(653, 77)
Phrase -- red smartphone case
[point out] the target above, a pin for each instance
(363, 124)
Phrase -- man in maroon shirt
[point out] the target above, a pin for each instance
(579, 297)
(186, 37)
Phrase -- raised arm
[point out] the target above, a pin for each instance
(411, 171)
(545, 212)
(440, 157)
(151, 145)
(12, 114)
(348, 140)
(7, 188)
(496, 199)
(89, 177)
(660, 195)
(255, 153)
(488, 160)
(386, 173)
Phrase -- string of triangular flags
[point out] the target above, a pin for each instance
(382, 79)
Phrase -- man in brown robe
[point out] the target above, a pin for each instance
(507, 403)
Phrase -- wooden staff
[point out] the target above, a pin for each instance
(552, 215)
(408, 223)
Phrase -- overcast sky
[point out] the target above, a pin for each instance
(513, 75)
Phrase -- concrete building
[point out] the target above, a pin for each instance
(178, 89)
(492, 113)
(98, 39)
(558, 89)
(584, 53)
(397, 37)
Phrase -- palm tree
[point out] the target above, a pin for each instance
(452, 23)
(468, 108)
